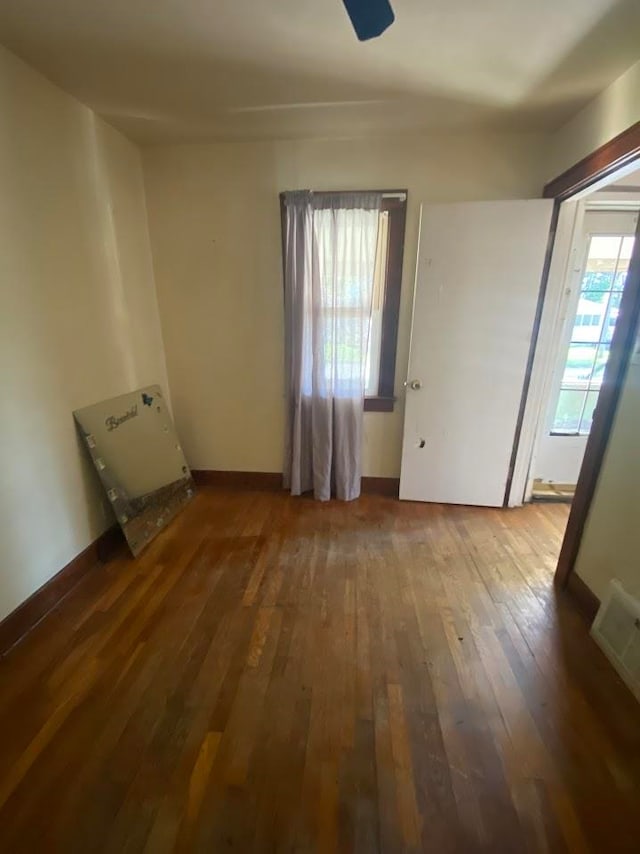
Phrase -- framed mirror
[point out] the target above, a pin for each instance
(139, 459)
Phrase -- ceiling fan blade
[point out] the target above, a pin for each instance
(370, 18)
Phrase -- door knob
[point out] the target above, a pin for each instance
(414, 384)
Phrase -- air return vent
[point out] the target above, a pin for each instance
(616, 630)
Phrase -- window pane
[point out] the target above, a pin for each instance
(603, 248)
(600, 364)
(569, 411)
(623, 262)
(627, 248)
(587, 415)
(372, 375)
(586, 327)
(596, 283)
(372, 368)
(601, 266)
(620, 278)
(611, 317)
(580, 361)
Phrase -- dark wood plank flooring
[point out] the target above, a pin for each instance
(275, 674)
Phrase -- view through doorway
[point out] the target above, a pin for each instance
(604, 236)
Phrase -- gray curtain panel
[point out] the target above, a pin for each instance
(330, 246)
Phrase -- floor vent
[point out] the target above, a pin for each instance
(616, 630)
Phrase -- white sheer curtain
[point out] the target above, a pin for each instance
(329, 259)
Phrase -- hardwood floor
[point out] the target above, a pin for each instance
(274, 674)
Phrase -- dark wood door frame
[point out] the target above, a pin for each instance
(618, 152)
(613, 155)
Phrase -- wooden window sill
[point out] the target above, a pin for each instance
(379, 404)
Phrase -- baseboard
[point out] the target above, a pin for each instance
(388, 486)
(584, 598)
(272, 481)
(27, 615)
(269, 481)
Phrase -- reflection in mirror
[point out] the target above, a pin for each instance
(135, 449)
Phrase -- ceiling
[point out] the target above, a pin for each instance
(187, 70)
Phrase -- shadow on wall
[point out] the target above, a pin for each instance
(71, 263)
(107, 254)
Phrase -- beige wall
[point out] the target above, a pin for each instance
(613, 111)
(215, 232)
(78, 320)
(610, 545)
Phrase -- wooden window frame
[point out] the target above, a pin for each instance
(396, 207)
(394, 202)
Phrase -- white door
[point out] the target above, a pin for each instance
(477, 284)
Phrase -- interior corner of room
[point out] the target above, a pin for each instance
(147, 247)
(143, 246)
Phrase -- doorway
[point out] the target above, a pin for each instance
(604, 168)
(446, 342)
(490, 407)
(588, 310)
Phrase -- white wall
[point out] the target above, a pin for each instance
(215, 231)
(78, 318)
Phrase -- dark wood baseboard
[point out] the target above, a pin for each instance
(272, 481)
(584, 598)
(27, 615)
(388, 486)
(269, 481)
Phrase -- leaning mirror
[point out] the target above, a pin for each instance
(135, 449)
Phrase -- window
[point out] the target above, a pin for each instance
(383, 331)
(383, 327)
(587, 320)
(603, 281)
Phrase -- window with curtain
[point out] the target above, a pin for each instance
(385, 305)
(337, 256)
(346, 242)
